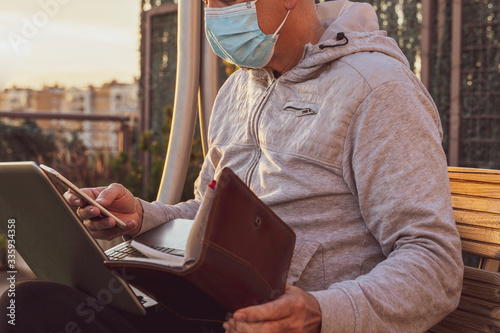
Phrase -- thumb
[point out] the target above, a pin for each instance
(110, 194)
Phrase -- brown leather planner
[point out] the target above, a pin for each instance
(244, 259)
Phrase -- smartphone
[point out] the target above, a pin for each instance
(74, 189)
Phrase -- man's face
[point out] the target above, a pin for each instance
(269, 12)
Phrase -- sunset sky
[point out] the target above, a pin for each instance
(69, 42)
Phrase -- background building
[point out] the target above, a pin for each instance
(15, 99)
(48, 99)
(79, 101)
(111, 98)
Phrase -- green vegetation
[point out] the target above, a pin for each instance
(26, 142)
(129, 172)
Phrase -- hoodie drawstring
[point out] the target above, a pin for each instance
(340, 36)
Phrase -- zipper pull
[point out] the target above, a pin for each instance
(300, 112)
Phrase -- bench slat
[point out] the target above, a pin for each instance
(475, 177)
(475, 189)
(479, 308)
(472, 322)
(480, 275)
(446, 326)
(456, 324)
(491, 251)
(481, 291)
(483, 307)
(472, 170)
(491, 265)
(481, 219)
(472, 174)
(479, 234)
(476, 204)
(476, 207)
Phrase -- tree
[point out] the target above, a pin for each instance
(26, 142)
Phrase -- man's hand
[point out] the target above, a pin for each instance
(294, 311)
(119, 201)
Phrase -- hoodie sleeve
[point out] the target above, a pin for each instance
(157, 213)
(396, 168)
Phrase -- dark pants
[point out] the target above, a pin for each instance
(51, 307)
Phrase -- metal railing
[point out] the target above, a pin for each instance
(124, 121)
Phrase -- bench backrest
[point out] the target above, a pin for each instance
(476, 206)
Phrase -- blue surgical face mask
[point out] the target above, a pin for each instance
(235, 36)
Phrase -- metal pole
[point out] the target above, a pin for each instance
(184, 117)
(124, 137)
(427, 32)
(146, 109)
(209, 83)
(455, 84)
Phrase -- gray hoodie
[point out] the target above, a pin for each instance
(346, 149)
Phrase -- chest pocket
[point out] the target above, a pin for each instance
(302, 258)
(300, 110)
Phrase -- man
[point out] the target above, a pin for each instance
(330, 128)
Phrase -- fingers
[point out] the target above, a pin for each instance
(275, 310)
(102, 195)
(111, 193)
(234, 326)
(116, 199)
(75, 201)
(88, 212)
(268, 317)
(97, 224)
(105, 228)
(294, 311)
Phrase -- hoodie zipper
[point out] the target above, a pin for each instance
(255, 133)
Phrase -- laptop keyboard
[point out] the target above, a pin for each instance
(126, 250)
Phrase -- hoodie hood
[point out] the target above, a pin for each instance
(346, 16)
(358, 22)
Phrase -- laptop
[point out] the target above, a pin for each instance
(57, 247)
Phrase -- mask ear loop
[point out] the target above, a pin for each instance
(281, 25)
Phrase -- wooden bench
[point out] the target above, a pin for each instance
(476, 205)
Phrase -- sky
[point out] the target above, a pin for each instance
(72, 43)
